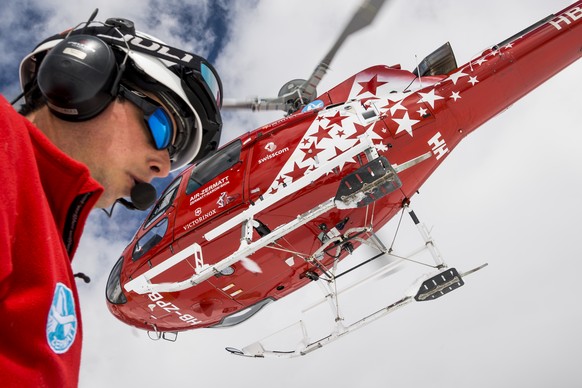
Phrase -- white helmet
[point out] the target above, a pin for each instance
(79, 72)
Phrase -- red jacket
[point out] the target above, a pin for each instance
(45, 199)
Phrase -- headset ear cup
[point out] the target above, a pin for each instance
(77, 77)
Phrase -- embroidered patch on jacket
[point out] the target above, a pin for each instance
(61, 325)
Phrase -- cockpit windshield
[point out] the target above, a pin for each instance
(214, 165)
(164, 202)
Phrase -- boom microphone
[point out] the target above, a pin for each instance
(143, 195)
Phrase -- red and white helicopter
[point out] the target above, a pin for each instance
(281, 206)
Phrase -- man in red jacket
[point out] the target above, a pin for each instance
(107, 109)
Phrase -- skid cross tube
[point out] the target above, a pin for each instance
(428, 240)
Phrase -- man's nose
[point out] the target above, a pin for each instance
(159, 164)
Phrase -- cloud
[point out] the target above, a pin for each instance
(17, 41)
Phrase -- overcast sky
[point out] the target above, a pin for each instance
(509, 195)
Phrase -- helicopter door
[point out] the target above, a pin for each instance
(214, 186)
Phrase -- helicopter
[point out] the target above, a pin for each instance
(279, 208)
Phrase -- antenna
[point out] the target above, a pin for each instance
(91, 18)
(418, 70)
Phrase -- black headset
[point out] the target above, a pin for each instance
(79, 77)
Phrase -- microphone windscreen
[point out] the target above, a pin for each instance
(143, 195)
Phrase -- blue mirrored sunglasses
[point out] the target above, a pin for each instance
(155, 116)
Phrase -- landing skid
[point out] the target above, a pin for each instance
(430, 286)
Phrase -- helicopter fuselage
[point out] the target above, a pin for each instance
(276, 208)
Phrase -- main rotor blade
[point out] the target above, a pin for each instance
(256, 104)
(305, 93)
(363, 17)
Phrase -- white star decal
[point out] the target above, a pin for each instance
(396, 107)
(422, 111)
(429, 98)
(455, 96)
(473, 80)
(480, 61)
(455, 77)
(405, 124)
(381, 147)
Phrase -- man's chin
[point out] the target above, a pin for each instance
(105, 202)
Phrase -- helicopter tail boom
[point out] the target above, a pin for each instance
(502, 74)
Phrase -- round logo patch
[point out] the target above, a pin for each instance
(317, 104)
(61, 325)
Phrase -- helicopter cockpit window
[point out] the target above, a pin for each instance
(150, 239)
(164, 202)
(214, 165)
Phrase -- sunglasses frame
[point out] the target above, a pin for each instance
(148, 106)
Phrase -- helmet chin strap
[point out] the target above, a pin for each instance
(143, 195)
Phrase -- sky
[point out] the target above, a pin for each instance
(508, 195)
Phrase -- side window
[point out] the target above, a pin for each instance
(150, 239)
(216, 164)
(164, 202)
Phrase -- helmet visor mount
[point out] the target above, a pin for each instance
(212, 81)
